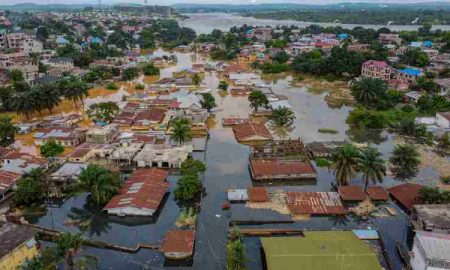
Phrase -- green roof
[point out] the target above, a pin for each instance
(327, 250)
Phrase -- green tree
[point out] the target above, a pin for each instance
(369, 92)
(180, 130)
(415, 57)
(223, 85)
(345, 163)
(192, 166)
(99, 181)
(281, 57)
(74, 89)
(130, 74)
(236, 257)
(103, 111)
(150, 70)
(51, 149)
(405, 160)
(15, 75)
(433, 195)
(282, 117)
(208, 102)
(258, 99)
(196, 80)
(67, 246)
(188, 187)
(50, 96)
(30, 188)
(7, 131)
(371, 165)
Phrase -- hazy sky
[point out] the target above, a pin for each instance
(169, 2)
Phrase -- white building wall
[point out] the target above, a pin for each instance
(442, 121)
(417, 259)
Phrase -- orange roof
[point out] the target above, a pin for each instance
(247, 130)
(179, 241)
(8, 179)
(258, 194)
(352, 193)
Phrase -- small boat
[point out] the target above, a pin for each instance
(226, 206)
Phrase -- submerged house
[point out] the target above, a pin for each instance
(250, 131)
(431, 217)
(277, 168)
(179, 244)
(315, 203)
(162, 156)
(141, 195)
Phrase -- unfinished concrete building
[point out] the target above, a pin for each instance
(162, 156)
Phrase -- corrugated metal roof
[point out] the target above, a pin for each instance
(315, 203)
(435, 245)
(352, 193)
(406, 194)
(237, 195)
(179, 241)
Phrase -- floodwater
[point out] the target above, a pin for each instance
(204, 23)
(227, 167)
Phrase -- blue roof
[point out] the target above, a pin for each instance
(411, 71)
(428, 43)
(343, 36)
(95, 40)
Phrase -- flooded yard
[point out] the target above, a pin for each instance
(227, 167)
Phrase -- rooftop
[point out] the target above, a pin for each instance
(179, 242)
(12, 235)
(406, 194)
(434, 216)
(352, 193)
(258, 194)
(251, 130)
(276, 168)
(315, 203)
(331, 250)
(377, 193)
(436, 246)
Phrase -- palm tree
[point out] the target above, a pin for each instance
(74, 89)
(51, 96)
(24, 103)
(180, 130)
(282, 117)
(345, 163)
(368, 91)
(196, 79)
(68, 245)
(405, 160)
(371, 165)
(7, 131)
(257, 99)
(99, 181)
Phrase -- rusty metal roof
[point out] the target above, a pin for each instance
(315, 203)
(406, 194)
(377, 193)
(179, 241)
(352, 193)
(258, 194)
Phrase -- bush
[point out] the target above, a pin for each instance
(150, 70)
(322, 162)
(139, 86)
(51, 149)
(111, 86)
(30, 188)
(445, 180)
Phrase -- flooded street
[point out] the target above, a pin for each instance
(227, 167)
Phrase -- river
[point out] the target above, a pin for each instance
(204, 23)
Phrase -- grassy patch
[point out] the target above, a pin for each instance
(322, 162)
(328, 131)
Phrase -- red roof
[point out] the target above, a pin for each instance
(258, 194)
(247, 130)
(352, 193)
(406, 194)
(377, 193)
(378, 64)
(8, 179)
(145, 189)
(153, 114)
(178, 241)
(274, 167)
(315, 203)
(234, 121)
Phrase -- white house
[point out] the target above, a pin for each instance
(443, 119)
(431, 251)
